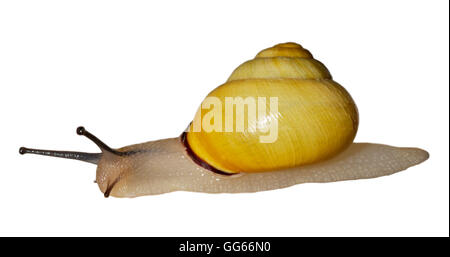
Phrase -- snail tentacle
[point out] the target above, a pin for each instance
(104, 147)
(80, 156)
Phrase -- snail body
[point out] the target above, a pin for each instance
(168, 167)
(314, 118)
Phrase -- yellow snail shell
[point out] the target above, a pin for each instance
(316, 117)
(317, 122)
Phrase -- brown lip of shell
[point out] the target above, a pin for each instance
(199, 160)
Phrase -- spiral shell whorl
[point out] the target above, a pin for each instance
(316, 117)
(285, 50)
(288, 60)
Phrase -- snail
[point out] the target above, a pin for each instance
(306, 136)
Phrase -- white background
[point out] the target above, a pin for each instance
(133, 71)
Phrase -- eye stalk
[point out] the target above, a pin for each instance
(81, 156)
(104, 147)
